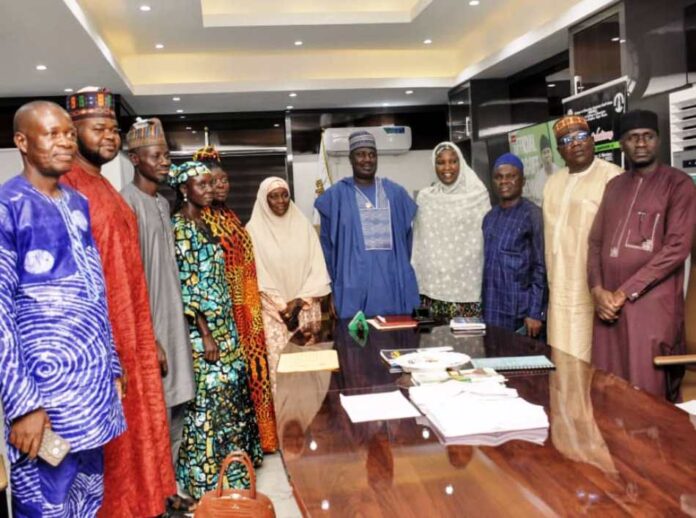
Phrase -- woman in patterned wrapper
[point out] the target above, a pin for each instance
(290, 266)
(447, 237)
(240, 272)
(221, 418)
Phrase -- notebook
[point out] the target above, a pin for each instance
(514, 363)
(393, 322)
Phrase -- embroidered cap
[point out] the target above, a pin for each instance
(361, 138)
(145, 132)
(91, 101)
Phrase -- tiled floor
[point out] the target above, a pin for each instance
(273, 482)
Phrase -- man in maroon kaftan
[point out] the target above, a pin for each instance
(639, 241)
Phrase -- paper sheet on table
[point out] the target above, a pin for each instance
(306, 361)
(378, 407)
(688, 406)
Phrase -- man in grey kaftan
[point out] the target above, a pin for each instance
(150, 156)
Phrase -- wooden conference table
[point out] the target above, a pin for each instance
(612, 450)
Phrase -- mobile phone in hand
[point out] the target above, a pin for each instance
(53, 448)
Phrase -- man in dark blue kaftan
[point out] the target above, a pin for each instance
(515, 292)
(58, 365)
(366, 236)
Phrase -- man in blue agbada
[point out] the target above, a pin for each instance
(366, 236)
(58, 365)
(514, 273)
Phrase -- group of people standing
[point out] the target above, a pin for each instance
(150, 341)
(598, 270)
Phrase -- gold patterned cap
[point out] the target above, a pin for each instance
(564, 124)
(145, 132)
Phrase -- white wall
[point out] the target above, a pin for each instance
(119, 171)
(412, 170)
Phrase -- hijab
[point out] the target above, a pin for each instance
(289, 260)
(447, 236)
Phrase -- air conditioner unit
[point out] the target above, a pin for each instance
(391, 140)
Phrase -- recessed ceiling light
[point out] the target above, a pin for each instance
(176, 99)
(551, 85)
(292, 94)
(41, 67)
(474, 2)
(194, 132)
(428, 41)
(622, 40)
(159, 46)
(145, 8)
(68, 90)
(188, 127)
(179, 111)
(276, 125)
(289, 107)
(299, 43)
(182, 116)
(460, 102)
(616, 38)
(409, 92)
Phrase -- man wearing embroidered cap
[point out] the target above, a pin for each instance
(149, 154)
(639, 241)
(138, 474)
(366, 236)
(571, 199)
(514, 276)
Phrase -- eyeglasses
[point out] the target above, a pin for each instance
(580, 136)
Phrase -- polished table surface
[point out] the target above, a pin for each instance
(612, 450)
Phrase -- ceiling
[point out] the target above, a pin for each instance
(240, 55)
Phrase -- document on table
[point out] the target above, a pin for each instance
(688, 406)
(306, 361)
(378, 407)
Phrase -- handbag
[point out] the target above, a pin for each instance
(235, 503)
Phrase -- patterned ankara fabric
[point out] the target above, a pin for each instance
(240, 273)
(448, 310)
(514, 274)
(180, 174)
(74, 488)
(138, 472)
(56, 350)
(221, 418)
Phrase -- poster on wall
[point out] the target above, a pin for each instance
(602, 107)
(536, 147)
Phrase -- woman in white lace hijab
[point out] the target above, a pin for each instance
(448, 240)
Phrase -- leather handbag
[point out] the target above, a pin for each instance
(235, 503)
(3, 474)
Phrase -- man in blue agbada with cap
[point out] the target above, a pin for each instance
(514, 274)
(366, 236)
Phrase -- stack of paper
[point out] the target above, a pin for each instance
(467, 326)
(378, 407)
(484, 414)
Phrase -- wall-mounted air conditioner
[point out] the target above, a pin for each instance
(391, 140)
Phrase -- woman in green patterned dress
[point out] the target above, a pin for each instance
(221, 418)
